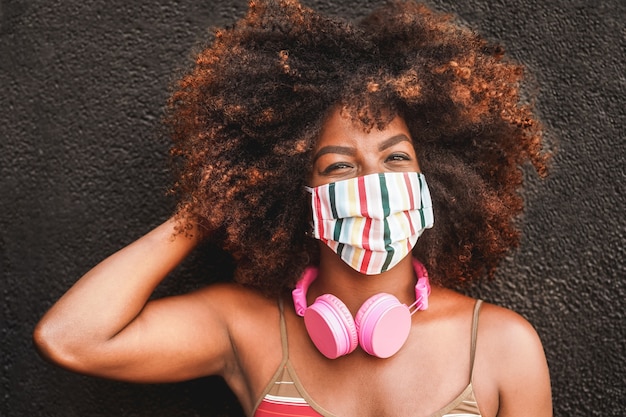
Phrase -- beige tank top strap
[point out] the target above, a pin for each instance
(474, 336)
(283, 330)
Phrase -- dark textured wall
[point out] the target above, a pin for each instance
(83, 172)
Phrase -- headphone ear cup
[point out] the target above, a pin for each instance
(331, 326)
(383, 325)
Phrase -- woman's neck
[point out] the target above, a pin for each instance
(353, 288)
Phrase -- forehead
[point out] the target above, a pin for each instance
(340, 128)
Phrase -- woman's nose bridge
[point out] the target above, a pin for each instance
(366, 170)
(371, 163)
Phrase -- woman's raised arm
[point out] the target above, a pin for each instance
(105, 325)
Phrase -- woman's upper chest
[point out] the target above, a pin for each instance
(430, 370)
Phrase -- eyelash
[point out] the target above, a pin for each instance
(395, 157)
(338, 165)
(398, 157)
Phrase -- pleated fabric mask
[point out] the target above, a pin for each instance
(372, 222)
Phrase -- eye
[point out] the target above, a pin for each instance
(398, 157)
(337, 166)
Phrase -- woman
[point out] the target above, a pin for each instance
(305, 144)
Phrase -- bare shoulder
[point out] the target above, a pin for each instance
(511, 364)
(237, 304)
(506, 332)
(242, 317)
(247, 313)
(235, 295)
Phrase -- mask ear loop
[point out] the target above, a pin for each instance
(310, 191)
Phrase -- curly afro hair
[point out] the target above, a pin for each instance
(245, 118)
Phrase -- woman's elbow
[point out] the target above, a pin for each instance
(54, 345)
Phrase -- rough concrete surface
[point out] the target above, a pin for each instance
(83, 171)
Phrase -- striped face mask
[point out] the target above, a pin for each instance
(372, 222)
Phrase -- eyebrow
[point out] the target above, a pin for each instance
(346, 150)
(343, 150)
(388, 143)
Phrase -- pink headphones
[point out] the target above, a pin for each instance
(381, 325)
